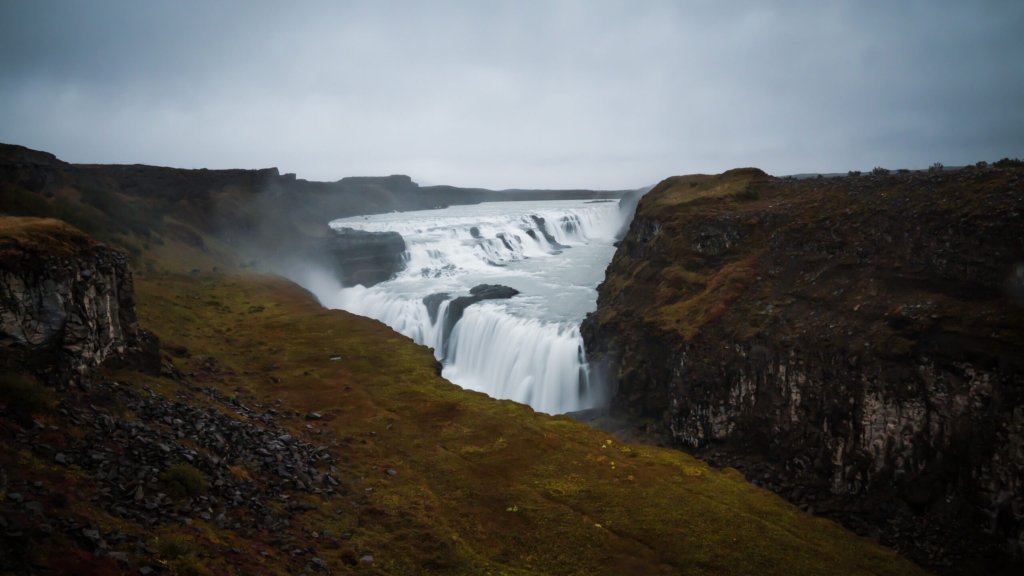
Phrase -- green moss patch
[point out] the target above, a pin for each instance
(477, 485)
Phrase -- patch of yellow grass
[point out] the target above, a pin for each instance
(464, 460)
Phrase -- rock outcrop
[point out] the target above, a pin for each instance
(366, 258)
(457, 307)
(854, 343)
(66, 302)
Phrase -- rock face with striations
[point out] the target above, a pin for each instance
(366, 258)
(854, 343)
(66, 302)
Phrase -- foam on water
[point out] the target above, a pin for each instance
(527, 348)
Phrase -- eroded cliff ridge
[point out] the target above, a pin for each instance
(855, 343)
(66, 302)
(278, 437)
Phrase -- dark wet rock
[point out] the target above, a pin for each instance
(366, 258)
(67, 303)
(127, 460)
(861, 356)
(313, 416)
(542, 226)
(492, 292)
(507, 241)
(433, 303)
(478, 293)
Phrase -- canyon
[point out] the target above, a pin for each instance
(853, 343)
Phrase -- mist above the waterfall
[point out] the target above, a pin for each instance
(324, 283)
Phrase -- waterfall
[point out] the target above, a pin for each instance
(527, 348)
(522, 359)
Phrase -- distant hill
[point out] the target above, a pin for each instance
(196, 217)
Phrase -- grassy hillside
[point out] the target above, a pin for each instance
(280, 437)
(480, 486)
(431, 478)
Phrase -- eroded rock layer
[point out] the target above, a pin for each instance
(66, 302)
(854, 343)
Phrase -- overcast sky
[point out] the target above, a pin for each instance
(586, 93)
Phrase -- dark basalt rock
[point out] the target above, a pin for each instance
(854, 344)
(66, 303)
(541, 225)
(366, 258)
(433, 304)
(506, 241)
(491, 292)
(476, 294)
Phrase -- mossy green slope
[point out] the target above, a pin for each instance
(449, 481)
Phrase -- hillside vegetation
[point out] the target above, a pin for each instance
(277, 437)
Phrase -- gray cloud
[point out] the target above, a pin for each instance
(562, 93)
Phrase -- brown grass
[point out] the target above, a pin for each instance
(483, 486)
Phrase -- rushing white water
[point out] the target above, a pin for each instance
(527, 348)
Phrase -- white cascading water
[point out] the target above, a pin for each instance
(527, 348)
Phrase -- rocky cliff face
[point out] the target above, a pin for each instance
(855, 343)
(366, 258)
(66, 302)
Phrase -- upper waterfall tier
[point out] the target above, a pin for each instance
(462, 239)
(525, 348)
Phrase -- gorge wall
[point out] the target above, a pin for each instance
(853, 343)
(66, 303)
(259, 217)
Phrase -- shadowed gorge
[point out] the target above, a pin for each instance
(277, 436)
(498, 291)
(852, 343)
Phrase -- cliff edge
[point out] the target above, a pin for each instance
(853, 343)
(66, 302)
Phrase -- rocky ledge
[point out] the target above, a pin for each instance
(366, 258)
(198, 457)
(152, 459)
(457, 307)
(66, 302)
(853, 343)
